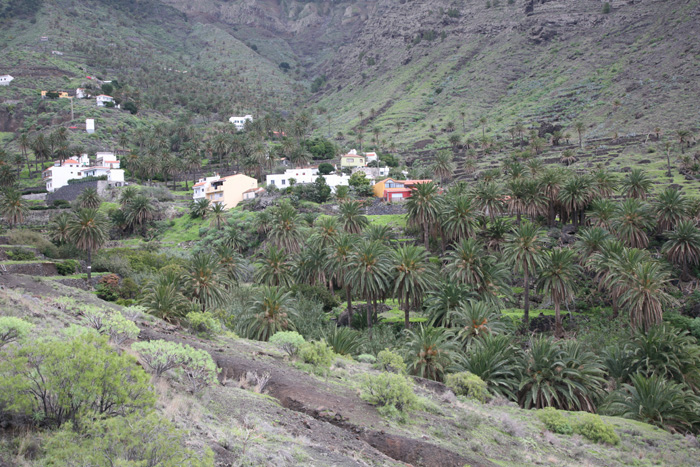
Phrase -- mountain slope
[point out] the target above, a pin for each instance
(421, 64)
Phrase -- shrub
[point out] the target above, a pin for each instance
(108, 287)
(161, 356)
(129, 289)
(555, 421)
(134, 440)
(468, 384)
(366, 358)
(390, 361)
(67, 267)
(20, 254)
(199, 369)
(35, 239)
(13, 329)
(83, 378)
(317, 353)
(316, 293)
(606, 8)
(121, 329)
(288, 341)
(392, 393)
(592, 427)
(203, 323)
(325, 168)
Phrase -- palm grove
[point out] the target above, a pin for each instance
(468, 252)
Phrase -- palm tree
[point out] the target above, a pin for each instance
(671, 207)
(369, 271)
(601, 212)
(448, 296)
(204, 280)
(139, 211)
(163, 298)
(590, 241)
(13, 206)
(199, 208)
(380, 233)
(233, 264)
(604, 183)
(351, 218)
(633, 219)
(87, 230)
(523, 249)
(636, 184)
(557, 279)
(458, 218)
(488, 197)
(642, 292)
(414, 275)
(568, 157)
(59, 228)
(580, 128)
(574, 196)
(271, 312)
(429, 352)
(443, 166)
(127, 194)
(326, 230)
(550, 184)
(310, 266)
(218, 212)
(475, 320)
(275, 268)
(497, 361)
(683, 246)
(423, 209)
(338, 258)
(683, 137)
(88, 199)
(285, 228)
(482, 121)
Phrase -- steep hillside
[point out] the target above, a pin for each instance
(266, 409)
(421, 64)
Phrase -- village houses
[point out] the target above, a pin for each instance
(239, 122)
(229, 190)
(106, 164)
(103, 99)
(352, 159)
(395, 190)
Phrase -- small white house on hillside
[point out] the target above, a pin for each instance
(239, 122)
(106, 159)
(90, 125)
(201, 186)
(102, 100)
(80, 93)
(5, 80)
(307, 175)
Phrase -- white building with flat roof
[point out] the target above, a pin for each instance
(307, 175)
(59, 173)
(102, 100)
(5, 80)
(90, 125)
(200, 188)
(239, 122)
(106, 159)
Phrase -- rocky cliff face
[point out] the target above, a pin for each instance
(553, 60)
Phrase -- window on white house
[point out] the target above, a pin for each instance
(283, 181)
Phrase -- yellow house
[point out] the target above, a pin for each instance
(229, 190)
(352, 160)
(61, 94)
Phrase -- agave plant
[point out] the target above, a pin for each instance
(561, 376)
(497, 361)
(429, 351)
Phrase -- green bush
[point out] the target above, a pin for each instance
(135, 440)
(13, 329)
(67, 267)
(20, 254)
(82, 379)
(129, 289)
(392, 393)
(468, 384)
(317, 353)
(390, 361)
(288, 341)
(592, 427)
(120, 329)
(35, 239)
(316, 293)
(606, 8)
(366, 358)
(343, 340)
(555, 421)
(203, 324)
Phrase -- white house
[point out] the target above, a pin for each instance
(201, 186)
(5, 80)
(102, 100)
(84, 161)
(373, 173)
(80, 93)
(371, 157)
(334, 181)
(307, 175)
(239, 122)
(90, 125)
(115, 177)
(58, 175)
(253, 193)
(106, 159)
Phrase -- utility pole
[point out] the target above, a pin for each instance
(71, 109)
